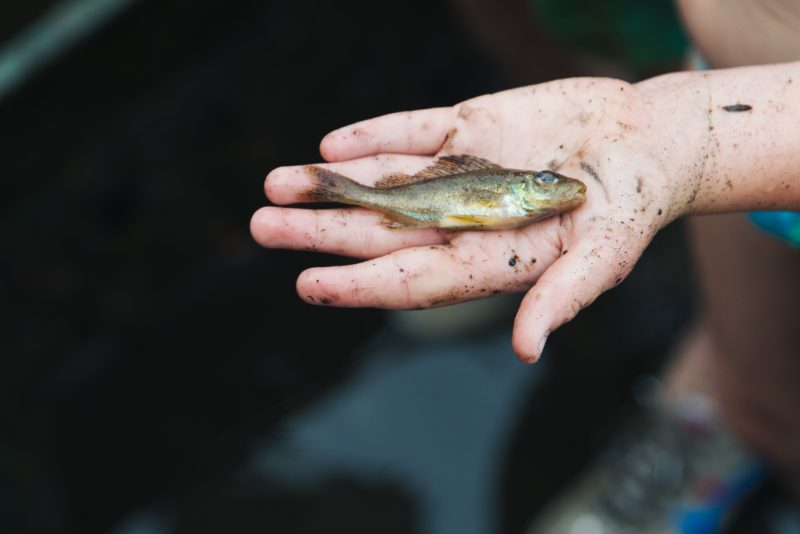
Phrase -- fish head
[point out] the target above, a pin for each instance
(547, 192)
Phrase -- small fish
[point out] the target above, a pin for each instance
(457, 193)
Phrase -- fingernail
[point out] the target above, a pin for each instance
(542, 342)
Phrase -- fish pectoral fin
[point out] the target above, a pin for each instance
(409, 219)
(443, 166)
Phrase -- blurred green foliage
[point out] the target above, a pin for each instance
(645, 35)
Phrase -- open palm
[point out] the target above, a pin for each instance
(597, 130)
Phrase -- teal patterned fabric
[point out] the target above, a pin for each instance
(784, 224)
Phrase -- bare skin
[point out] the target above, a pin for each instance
(648, 153)
(749, 358)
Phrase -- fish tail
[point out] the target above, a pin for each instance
(330, 186)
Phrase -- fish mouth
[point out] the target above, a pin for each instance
(578, 194)
(581, 193)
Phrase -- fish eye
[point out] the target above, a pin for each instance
(546, 178)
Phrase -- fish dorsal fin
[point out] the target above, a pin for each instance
(458, 164)
(397, 179)
(443, 166)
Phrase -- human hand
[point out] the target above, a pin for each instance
(601, 131)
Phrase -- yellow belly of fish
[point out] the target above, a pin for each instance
(460, 221)
(408, 219)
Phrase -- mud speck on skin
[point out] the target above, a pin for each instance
(311, 298)
(660, 211)
(564, 252)
(435, 303)
(639, 185)
(325, 300)
(533, 260)
(401, 269)
(692, 197)
(465, 112)
(513, 260)
(734, 108)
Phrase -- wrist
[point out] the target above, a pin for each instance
(678, 104)
(729, 137)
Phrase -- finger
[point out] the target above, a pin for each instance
(357, 233)
(570, 284)
(480, 265)
(285, 185)
(409, 132)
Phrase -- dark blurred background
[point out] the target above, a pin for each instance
(158, 373)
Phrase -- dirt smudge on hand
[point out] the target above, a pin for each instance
(588, 169)
(447, 145)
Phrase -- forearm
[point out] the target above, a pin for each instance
(728, 159)
(732, 33)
